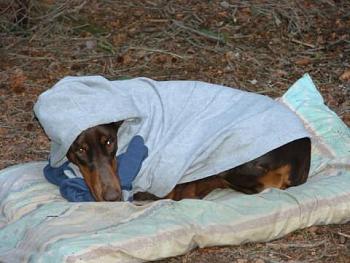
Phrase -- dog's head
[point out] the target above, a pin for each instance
(94, 153)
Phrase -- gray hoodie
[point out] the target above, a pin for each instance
(192, 129)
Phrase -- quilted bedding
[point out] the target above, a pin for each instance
(38, 225)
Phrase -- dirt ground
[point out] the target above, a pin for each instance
(258, 45)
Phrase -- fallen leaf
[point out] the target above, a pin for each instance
(230, 56)
(303, 61)
(119, 39)
(345, 76)
(179, 16)
(280, 73)
(223, 14)
(76, 67)
(313, 229)
(17, 80)
(124, 59)
(3, 131)
(28, 106)
(160, 58)
(30, 127)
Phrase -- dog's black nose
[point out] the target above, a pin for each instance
(111, 195)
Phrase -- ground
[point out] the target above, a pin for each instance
(258, 45)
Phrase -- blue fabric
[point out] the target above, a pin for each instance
(76, 190)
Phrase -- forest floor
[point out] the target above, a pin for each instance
(260, 45)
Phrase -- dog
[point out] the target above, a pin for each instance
(94, 153)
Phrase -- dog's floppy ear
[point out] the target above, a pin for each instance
(114, 125)
(71, 156)
(118, 124)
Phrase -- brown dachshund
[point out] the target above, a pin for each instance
(95, 148)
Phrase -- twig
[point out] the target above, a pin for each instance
(342, 112)
(329, 45)
(6, 9)
(181, 25)
(302, 43)
(295, 245)
(39, 151)
(159, 51)
(8, 161)
(343, 234)
(193, 43)
(153, 20)
(86, 59)
(129, 69)
(29, 57)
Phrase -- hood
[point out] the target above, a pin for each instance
(75, 104)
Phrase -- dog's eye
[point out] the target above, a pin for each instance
(109, 142)
(81, 150)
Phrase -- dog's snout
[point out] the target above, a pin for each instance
(111, 195)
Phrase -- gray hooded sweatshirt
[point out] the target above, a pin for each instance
(192, 129)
